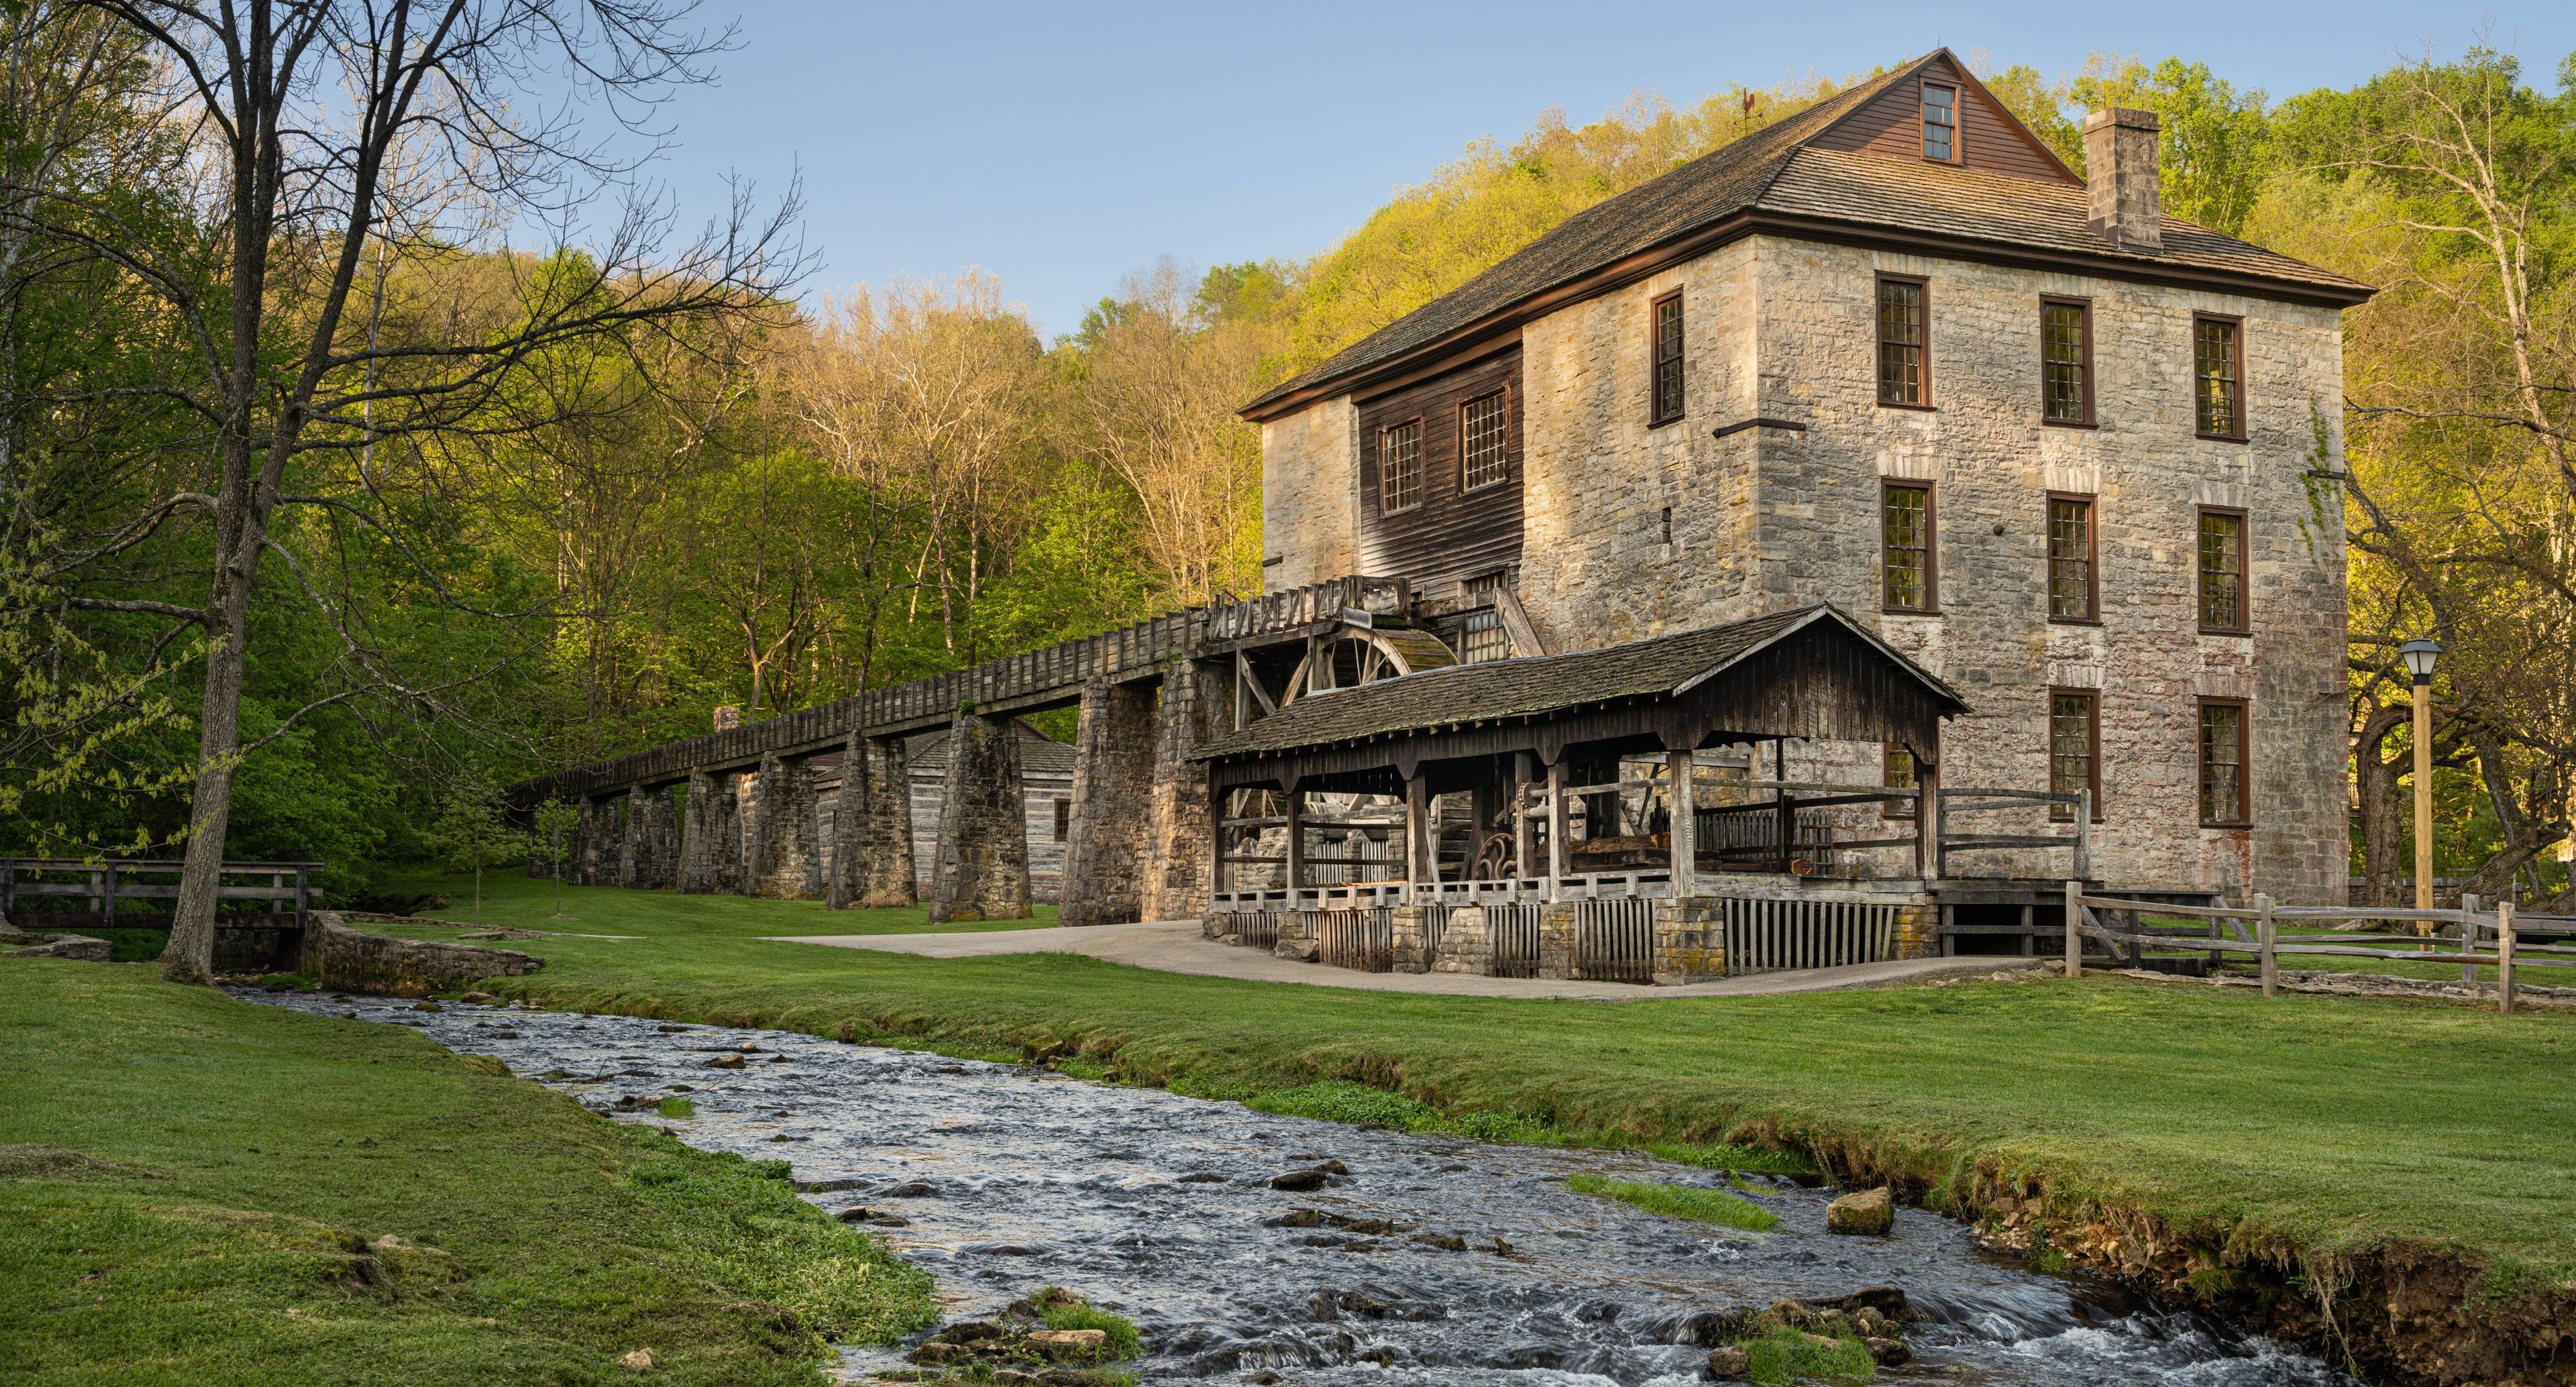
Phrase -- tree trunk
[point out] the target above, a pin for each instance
(190, 956)
(2381, 815)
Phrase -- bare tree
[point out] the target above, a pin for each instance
(1154, 403)
(294, 113)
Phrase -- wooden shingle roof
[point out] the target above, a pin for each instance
(1500, 690)
(1777, 178)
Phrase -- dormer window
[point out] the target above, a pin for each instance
(1941, 123)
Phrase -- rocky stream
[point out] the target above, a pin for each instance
(1426, 1260)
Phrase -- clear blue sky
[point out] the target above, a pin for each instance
(1063, 146)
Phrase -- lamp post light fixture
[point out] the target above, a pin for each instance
(2419, 655)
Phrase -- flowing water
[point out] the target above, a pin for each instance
(1160, 1206)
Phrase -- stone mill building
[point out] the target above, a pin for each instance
(1820, 551)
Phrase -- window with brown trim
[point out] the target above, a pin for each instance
(2066, 361)
(1666, 406)
(1063, 818)
(2074, 750)
(1904, 356)
(2221, 567)
(1941, 123)
(1484, 453)
(2218, 376)
(1896, 772)
(2222, 762)
(1399, 467)
(2074, 584)
(1908, 563)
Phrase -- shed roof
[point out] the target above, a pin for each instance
(1493, 690)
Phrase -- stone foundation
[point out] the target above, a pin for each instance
(1690, 941)
(1466, 944)
(1411, 929)
(1297, 941)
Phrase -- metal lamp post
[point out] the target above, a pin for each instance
(2419, 655)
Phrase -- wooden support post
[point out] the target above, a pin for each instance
(2469, 939)
(107, 902)
(1421, 848)
(1927, 820)
(1295, 813)
(2504, 955)
(2029, 930)
(1524, 821)
(2265, 938)
(1788, 830)
(1682, 806)
(1558, 856)
(2084, 835)
(2074, 929)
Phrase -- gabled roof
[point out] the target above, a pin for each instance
(1777, 176)
(1666, 666)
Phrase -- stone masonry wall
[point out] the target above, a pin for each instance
(1599, 565)
(1310, 495)
(1766, 519)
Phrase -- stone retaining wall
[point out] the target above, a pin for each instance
(342, 957)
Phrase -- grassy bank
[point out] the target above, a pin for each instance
(194, 1190)
(2324, 1124)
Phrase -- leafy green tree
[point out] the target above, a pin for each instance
(555, 821)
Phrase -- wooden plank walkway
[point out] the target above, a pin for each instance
(1024, 683)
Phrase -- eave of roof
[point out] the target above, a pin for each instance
(1397, 707)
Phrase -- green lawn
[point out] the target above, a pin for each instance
(193, 1190)
(2332, 1122)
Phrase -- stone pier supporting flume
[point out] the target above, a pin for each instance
(781, 850)
(726, 842)
(982, 872)
(872, 828)
(1113, 788)
(697, 874)
(1180, 860)
(635, 845)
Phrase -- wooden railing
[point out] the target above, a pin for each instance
(105, 882)
(1947, 801)
(2254, 929)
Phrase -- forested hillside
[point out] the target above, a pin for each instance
(538, 503)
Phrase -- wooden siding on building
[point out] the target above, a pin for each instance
(1891, 127)
(1454, 534)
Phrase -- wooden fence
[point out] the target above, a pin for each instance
(2254, 929)
(1614, 940)
(284, 887)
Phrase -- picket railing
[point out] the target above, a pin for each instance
(2255, 929)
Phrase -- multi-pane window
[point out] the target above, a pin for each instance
(2074, 742)
(1480, 633)
(1901, 374)
(1063, 818)
(2222, 763)
(1483, 437)
(2066, 362)
(2071, 590)
(1399, 467)
(2222, 570)
(1941, 123)
(2219, 393)
(1896, 772)
(1667, 404)
(1905, 547)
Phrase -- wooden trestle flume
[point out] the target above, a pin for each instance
(1349, 773)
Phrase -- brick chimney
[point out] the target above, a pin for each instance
(2120, 192)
